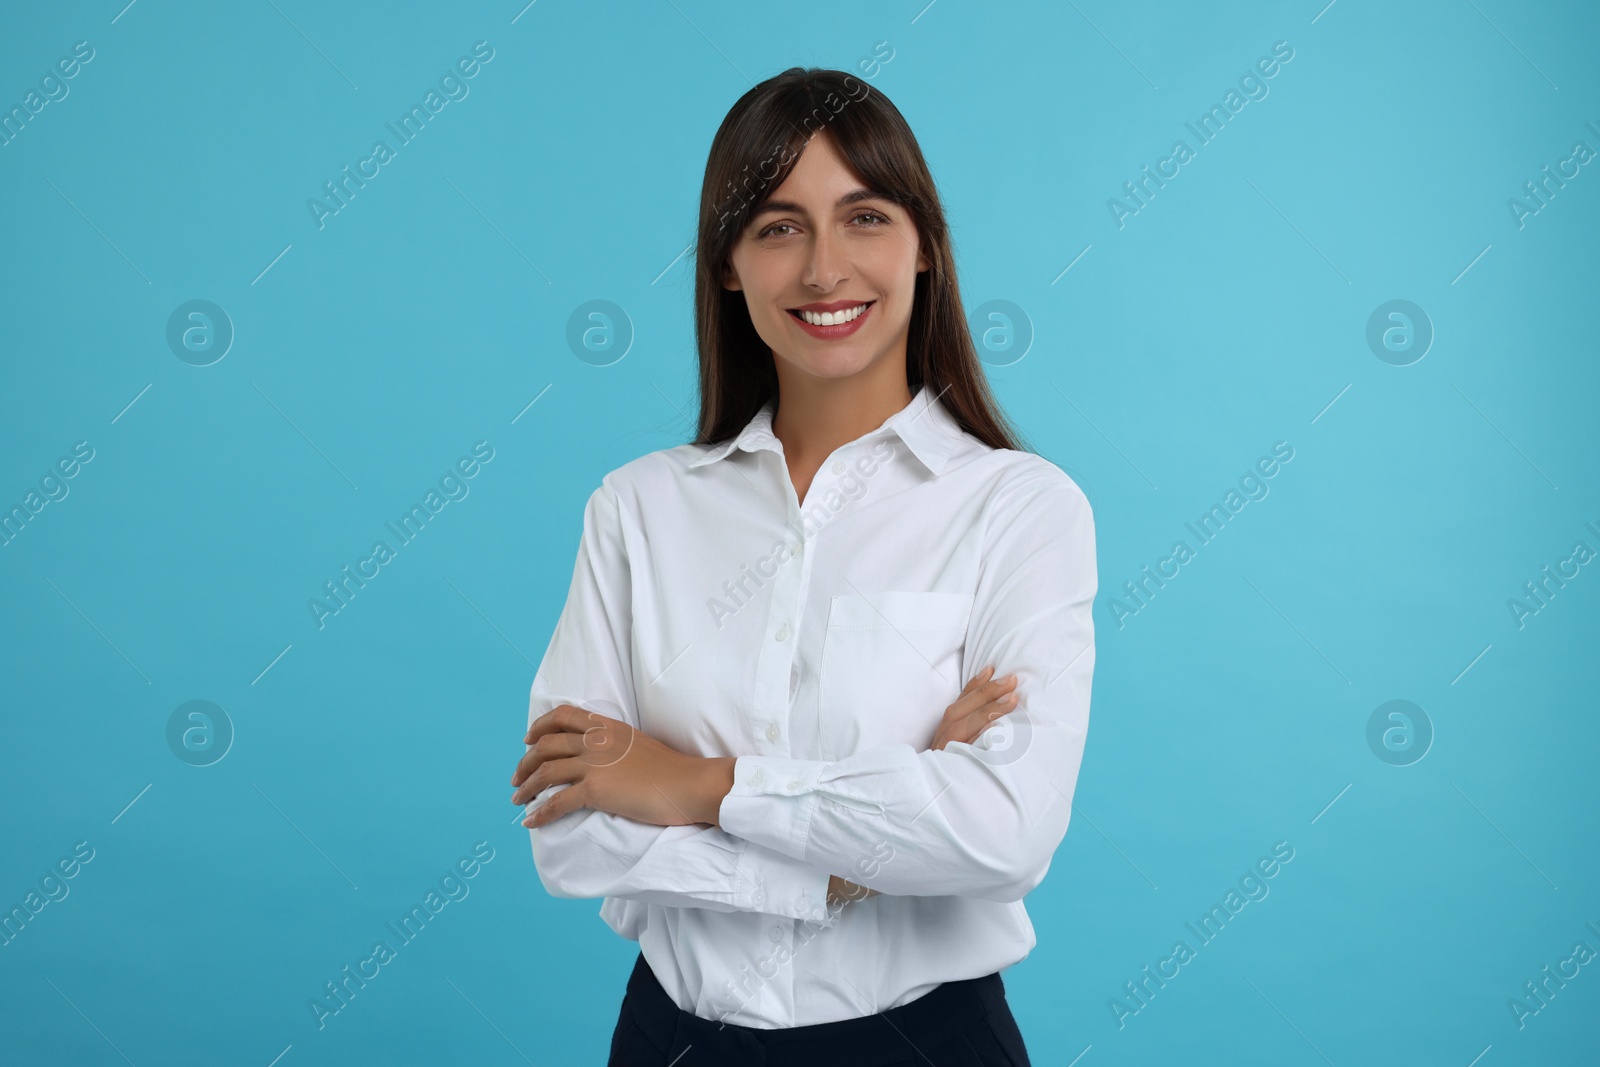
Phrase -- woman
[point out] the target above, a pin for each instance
(749, 732)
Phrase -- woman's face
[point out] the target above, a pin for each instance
(822, 238)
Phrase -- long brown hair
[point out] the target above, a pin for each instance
(755, 148)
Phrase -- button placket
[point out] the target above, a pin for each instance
(802, 585)
(776, 676)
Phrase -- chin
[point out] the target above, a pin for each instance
(842, 366)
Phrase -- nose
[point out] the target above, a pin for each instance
(826, 266)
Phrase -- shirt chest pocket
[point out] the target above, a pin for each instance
(891, 664)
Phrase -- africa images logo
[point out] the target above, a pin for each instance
(453, 85)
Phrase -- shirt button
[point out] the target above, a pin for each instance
(794, 679)
(795, 783)
(755, 779)
(773, 732)
(838, 467)
(783, 632)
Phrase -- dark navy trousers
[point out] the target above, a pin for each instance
(957, 1024)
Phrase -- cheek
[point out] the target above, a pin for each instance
(766, 284)
(893, 272)
(771, 323)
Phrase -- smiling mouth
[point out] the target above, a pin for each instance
(833, 318)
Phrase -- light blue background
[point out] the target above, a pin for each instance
(1228, 314)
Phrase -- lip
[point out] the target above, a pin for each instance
(836, 305)
(833, 333)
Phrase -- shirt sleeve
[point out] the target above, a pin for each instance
(590, 853)
(979, 820)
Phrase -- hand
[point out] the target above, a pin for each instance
(979, 704)
(841, 892)
(613, 767)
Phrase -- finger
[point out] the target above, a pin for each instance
(983, 694)
(967, 727)
(551, 772)
(551, 746)
(970, 726)
(563, 803)
(977, 679)
(562, 717)
(977, 696)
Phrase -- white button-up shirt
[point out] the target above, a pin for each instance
(820, 642)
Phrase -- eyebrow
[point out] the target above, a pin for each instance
(853, 197)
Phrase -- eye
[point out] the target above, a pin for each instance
(880, 220)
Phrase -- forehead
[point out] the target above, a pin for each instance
(821, 176)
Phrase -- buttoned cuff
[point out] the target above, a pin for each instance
(781, 885)
(771, 802)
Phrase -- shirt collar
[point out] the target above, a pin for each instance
(924, 425)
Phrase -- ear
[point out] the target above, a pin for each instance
(730, 277)
(922, 263)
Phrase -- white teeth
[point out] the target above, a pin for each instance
(832, 318)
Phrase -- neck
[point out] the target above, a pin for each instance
(817, 415)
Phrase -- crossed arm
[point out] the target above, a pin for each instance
(627, 816)
(608, 765)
